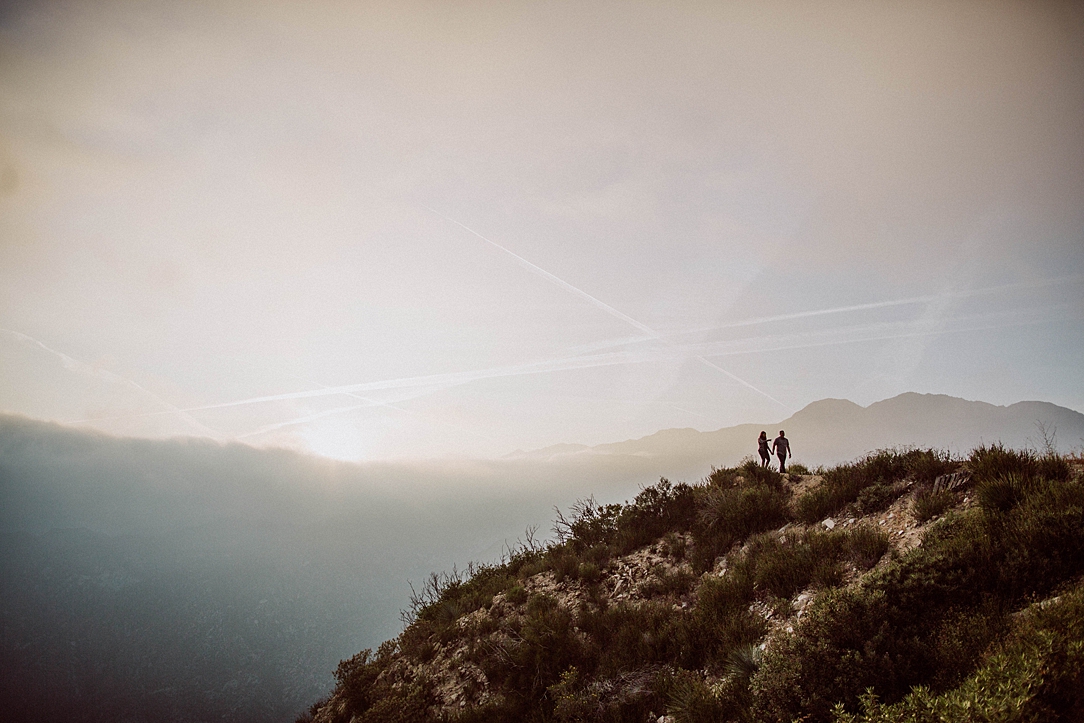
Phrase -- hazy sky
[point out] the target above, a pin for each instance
(400, 229)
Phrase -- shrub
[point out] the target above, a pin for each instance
(1036, 675)
(1001, 493)
(444, 598)
(673, 545)
(928, 504)
(744, 661)
(875, 498)
(589, 572)
(781, 566)
(925, 618)
(591, 524)
(517, 594)
(366, 700)
(871, 483)
(563, 561)
(675, 582)
(986, 463)
(866, 545)
(926, 465)
(656, 510)
(691, 700)
(626, 697)
(798, 468)
(727, 515)
(534, 659)
(722, 620)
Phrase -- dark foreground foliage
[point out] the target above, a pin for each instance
(932, 631)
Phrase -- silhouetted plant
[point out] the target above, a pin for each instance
(728, 514)
(871, 483)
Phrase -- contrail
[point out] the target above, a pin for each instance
(431, 380)
(73, 364)
(872, 332)
(302, 420)
(812, 344)
(369, 402)
(599, 303)
(887, 304)
(753, 345)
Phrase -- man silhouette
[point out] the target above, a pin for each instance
(781, 446)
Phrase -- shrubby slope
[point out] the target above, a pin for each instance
(879, 590)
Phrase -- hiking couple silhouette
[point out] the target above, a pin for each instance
(781, 447)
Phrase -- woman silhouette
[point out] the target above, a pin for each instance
(765, 453)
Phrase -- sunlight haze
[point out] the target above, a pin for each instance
(411, 230)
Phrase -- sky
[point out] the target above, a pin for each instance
(457, 229)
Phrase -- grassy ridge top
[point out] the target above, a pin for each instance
(865, 592)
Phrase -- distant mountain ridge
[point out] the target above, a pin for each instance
(835, 430)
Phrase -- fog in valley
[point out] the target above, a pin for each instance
(186, 579)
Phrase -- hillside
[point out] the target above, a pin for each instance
(830, 431)
(908, 585)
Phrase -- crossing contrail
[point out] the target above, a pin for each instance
(302, 420)
(874, 332)
(368, 403)
(75, 365)
(535, 269)
(598, 303)
(752, 345)
(431, 380)
(888, 304)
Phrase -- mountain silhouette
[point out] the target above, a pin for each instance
(830, 431)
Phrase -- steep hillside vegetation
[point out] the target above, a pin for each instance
(906, 586)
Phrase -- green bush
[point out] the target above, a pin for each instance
(783, 566)
(903, 627)
(721, 620)
(928, 504)
(926, 465)
(729, 514)
(692, 701)
(797, 468)
(674, 582)
(866, 545)
(871, 483)
(1001, 493)
(543, 647)
(629, 696)
(517, 594)
(367, 700)
(1035, 676)
(628, 635)
(658, 509)
(986, 463)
